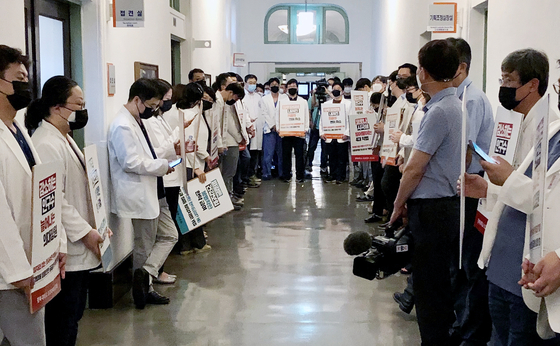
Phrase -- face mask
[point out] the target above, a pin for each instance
(78, 119)
(261, 93)
(166, 106)
(267, 92)
(336, 93)
(252, 87)
(347, 90)
(21, 96)
(274, 89)
(376, 88)
(146, 114)
(330, 88)
(206, 105)
(231, 102)
(410, 98)
(292, 91)
(507, 97)
(281, 91)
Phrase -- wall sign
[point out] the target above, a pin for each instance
(128, 13)
(111, 79)
(239, 60)
(443, 17)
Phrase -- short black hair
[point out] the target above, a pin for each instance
(529, 63)
(347, 81)
(266, 83)
(409, 66)
(192, 93)
(331, 79)
(383, 79)
(440, 59)
(237, 90)
(291, 81)
(210, 92)
(249, 76)
(274, 79)
(339, 84)
(393, 76)
(336, 79)
(221, 80)
(144, 88)
(163, 87)
(9, 55)
(193, 71)
(375, 98)
(363, 82)
(259, 85)
(464, 50)
(56, 91)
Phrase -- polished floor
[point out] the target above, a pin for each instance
(277, 275)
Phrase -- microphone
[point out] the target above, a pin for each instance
(357, 243)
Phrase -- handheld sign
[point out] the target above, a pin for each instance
(46, 236)
(98, 203)
(333, 120)
(203, 202)
(504, 143)
(215, 133)
(292, 119)
(360, 102)
(362, 137)
(540, 166)
(389, 150)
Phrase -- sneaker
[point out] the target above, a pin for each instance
(156, 299)
(373, 218)
(140, 287)
(237, 207)
(254, 185)
(300, 181)
(338, 182)
(165, 279)
(364, 198)
(405, 305)
(205, 248)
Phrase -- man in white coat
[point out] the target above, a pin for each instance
(17, 157)
(137, 188)
(252, 101)
(272, 143)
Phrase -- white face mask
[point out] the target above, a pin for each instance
(347, 90)
(267, 92)
(281, 91)
(376, 88)
(330, 88)
(260, 93)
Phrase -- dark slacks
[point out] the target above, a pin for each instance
(63, 313)
(313, 142)
(338, 159)
(378, 195)
(390, 184)
(325, 154)
(254, 163)
(434, 224)
(297, 144)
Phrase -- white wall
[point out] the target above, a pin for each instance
(12, 23)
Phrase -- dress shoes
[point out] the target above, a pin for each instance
(404, 304)
(373, 218)
(364, 198)
(156, 299)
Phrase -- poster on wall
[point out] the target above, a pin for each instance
(503, 144)
(98, 203)
(203, 202)
(389, 150)
(128, 13)
(362, 137)
(292, 119)
(46, 234)
(443, 17)
(333, 120)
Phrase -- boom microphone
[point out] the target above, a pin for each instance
(357, 243)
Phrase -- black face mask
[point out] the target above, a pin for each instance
(231, 102)
(274, 89)
(292, 91)
(80, 121)
(206, 105)
(401, 84)
(507, 98)
(410, 98)
(336, 93)
(21, 96)
(146, 114)
(166, 106)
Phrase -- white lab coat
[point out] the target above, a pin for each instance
(252, 102)
(270, 113)
(77, 212)
(219, 112)
(15, 209)
(163, 139)
(347, 105)
(133, 169)
(197, 159)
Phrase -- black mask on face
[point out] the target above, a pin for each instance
(21, 96)
(336, 93)
(401, 84)
(231, 102)
(206, 105)
(80, 121)
(292, 91)
(507, 97)
(147, 113)
(410, 98)
(167, 104)
(274, 89)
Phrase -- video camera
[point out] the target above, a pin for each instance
(381, 256)
(321, 91)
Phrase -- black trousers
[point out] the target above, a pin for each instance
(471, 285)
(63, 313)
(325, 154)
(254, 163)
(313, 142)
(434, 224)
(390, 184)
(378, 195)
(297, 144)
(338, 159)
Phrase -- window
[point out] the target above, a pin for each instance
(175, 4)
(306, 24)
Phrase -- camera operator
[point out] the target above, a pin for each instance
(428, 188)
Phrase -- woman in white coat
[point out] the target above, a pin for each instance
(60, 110)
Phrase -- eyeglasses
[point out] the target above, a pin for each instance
(81, 105)
(556, 88)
